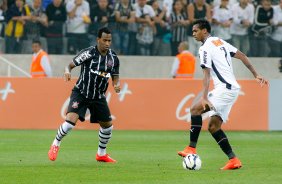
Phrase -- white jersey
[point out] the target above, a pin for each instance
(216, 54)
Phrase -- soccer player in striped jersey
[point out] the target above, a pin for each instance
(215, 58)
(98, 63)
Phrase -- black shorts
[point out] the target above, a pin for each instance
(99, 110)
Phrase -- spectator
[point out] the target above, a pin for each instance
(14, 30)
(222, 19)
(160, 48)
(261, 29)
(40, 66)
(216, 3)
(45, 4)
(280, 65)
(3, 8)
(35, 27)
(132, 32)
(57, 15)
(179, 23)
(243, 18)
(145, 17)
(275, 42)
(124, 15)
(184, 64)
(102, 15)
(77, 24)
(10, 3)
(167, 4)
(198, 9)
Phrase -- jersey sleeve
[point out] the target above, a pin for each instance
(205, 57)
(231, 49)
(115, 70)
(82, 56)
(151, 12)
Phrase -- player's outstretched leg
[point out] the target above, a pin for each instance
(196, 125)
(222, 141)
(105, 135)
(63, 130)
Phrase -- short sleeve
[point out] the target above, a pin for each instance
(86, 8)
(231, 49)
(205, 58)
(116, 67)
(151, 12)
(82, 56)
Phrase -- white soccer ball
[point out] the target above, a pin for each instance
(192, 162)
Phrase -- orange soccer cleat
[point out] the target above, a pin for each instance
(105, 158)
(186, 151)
(233, 163)
(53, 152)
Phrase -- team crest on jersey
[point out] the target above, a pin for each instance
(75, 105)
(110, 63)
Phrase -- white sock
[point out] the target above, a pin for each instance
(63, 130)
(104, 136)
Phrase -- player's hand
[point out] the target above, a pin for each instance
(261, 81)
(117, 88)
(207, 104)
(67, 76)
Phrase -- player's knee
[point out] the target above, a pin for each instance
(195, 111)
(72, 117)
(212, 128)
(214, 124)
(105, 124)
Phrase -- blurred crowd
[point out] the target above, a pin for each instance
(139, 27)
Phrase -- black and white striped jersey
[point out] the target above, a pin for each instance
(96, 70)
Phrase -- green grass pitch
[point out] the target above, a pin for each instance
(144, 157)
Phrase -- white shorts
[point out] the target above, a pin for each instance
(222, 99)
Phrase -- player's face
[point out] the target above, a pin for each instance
(198, 34)
(105, 42)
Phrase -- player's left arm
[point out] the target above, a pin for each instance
(115, 76)
(247, 63)
(116, 83)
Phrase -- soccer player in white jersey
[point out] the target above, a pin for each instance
(215, 57)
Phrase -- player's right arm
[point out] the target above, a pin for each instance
(247, 63)
(67, 73)
(83, 56)
(205, 63)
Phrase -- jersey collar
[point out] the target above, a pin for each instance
(206, 39)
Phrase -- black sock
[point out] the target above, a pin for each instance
(196, 125)
(223, 142)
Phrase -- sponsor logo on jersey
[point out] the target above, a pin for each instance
(205, 57)
(83, 56)
(217, 42)
(103, 74)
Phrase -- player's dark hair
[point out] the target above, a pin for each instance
(203, 24)
(36, 41)
(103, 30)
